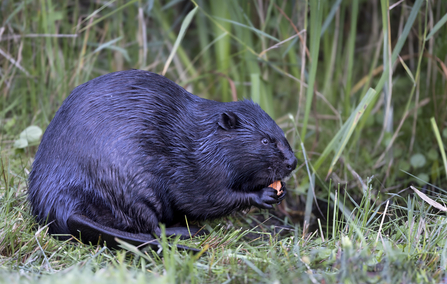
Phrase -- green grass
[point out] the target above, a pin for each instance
(361, 96)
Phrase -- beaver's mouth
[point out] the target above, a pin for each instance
(282, 179)
(274, 180)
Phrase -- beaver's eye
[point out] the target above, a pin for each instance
(265, 141)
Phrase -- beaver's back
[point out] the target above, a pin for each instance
(96, 147)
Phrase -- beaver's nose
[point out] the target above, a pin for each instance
(291, 163)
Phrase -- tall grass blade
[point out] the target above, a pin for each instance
(203, 29)
(350, 55)
(400, 42)
(440, 144)
(351, 125)
(222, 50)
(407, 70)
(255, 88)
(110, 45)
(398, 47)
(166, 23)
(316, 14)
(181, 34)
(204, 52)
(309, 200)
(259, 32)
(339, 141)
(330, 17)
(437, 27)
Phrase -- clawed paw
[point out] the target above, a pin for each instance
(268, 196)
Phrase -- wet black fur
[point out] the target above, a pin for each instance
(131, 149)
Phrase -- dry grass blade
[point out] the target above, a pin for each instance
(407, 70)
(383, 219)
(280, 43)
(429, 200)
(443, 66)
(14, 37)
(14, 62)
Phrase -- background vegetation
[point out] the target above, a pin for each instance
(358, 86)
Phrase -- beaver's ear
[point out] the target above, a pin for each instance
(227, 120)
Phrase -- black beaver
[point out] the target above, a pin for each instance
(129, 150)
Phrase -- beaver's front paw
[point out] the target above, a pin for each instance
(266, 197)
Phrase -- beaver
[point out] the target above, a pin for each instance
(129, 150)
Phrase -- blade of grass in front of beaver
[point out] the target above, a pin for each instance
(180, 36)
(339, 141)
(352, 123)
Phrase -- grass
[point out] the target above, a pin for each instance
(359, 90)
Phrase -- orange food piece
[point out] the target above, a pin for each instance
(277, 185)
